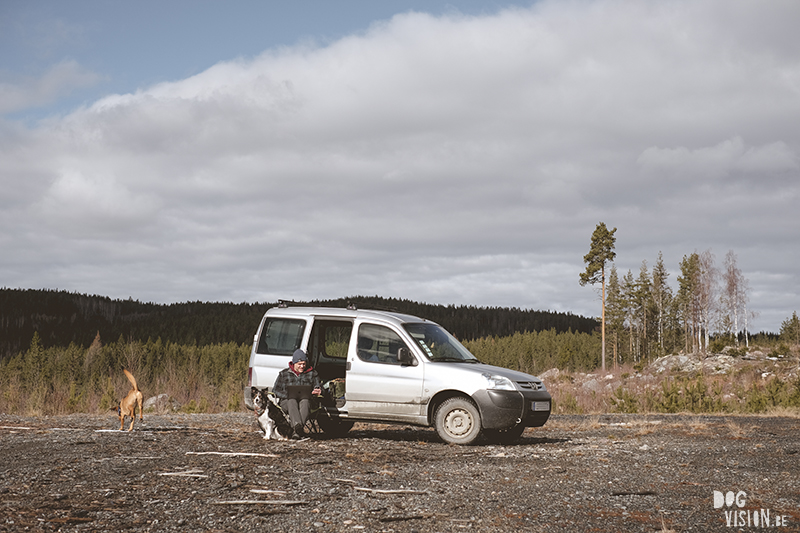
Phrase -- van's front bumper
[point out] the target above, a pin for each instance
(502, 409)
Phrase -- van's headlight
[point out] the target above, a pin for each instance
(498, 382)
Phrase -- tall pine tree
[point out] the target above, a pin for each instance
(600, 253)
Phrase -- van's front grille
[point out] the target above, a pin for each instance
(530, 385)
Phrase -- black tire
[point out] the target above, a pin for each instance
(504, 436)
(333, 425)
(458, 421)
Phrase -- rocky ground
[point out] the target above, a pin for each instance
(577, 474)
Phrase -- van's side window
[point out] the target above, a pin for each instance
(329, 339)
(281, 336)
(378, 344)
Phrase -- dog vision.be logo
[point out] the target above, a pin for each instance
(733, 504)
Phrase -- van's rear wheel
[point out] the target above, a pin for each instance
(334, 426)
(458, 421)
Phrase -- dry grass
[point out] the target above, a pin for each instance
(783, 412)
(737, 430)
(646, 427)
(593, 422)
(697, 425)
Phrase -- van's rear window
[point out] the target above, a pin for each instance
(281, 336)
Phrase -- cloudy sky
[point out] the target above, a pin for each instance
(443, 152)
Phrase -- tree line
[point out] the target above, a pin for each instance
(60, 318)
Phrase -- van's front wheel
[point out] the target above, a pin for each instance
(458, 421)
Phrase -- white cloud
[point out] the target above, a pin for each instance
(446, 159)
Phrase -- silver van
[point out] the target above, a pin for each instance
(378, 366)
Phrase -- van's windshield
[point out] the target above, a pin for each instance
(439, 345)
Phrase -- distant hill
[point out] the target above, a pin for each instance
(63, 317)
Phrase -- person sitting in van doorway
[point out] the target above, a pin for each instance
(294, 388)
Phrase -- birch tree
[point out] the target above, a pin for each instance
(733, 299)
(707, 290)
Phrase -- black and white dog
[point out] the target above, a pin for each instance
(269, 416)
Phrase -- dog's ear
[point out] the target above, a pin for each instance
(254, 390)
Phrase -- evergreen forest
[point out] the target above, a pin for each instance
(61, 318)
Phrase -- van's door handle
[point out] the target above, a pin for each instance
(347, 367)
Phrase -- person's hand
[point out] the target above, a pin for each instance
(316, 392)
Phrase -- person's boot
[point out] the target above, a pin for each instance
(299, 431)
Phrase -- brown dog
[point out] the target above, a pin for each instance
(127, 407)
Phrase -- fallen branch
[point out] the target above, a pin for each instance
(187, 473)
(259, 502)
(264, 491)
(245, 454)
(391, 491)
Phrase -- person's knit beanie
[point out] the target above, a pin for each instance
(299, 355)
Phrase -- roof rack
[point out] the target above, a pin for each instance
(283, 304)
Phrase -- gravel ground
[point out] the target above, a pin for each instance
(576, 474)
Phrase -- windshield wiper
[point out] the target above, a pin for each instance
(455, 360)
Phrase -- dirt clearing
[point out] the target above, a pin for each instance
(576, 474)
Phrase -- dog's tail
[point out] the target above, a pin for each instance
(131, 379)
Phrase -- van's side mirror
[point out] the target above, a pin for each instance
(404, 357)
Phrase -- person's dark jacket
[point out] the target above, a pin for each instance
(288, 377)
